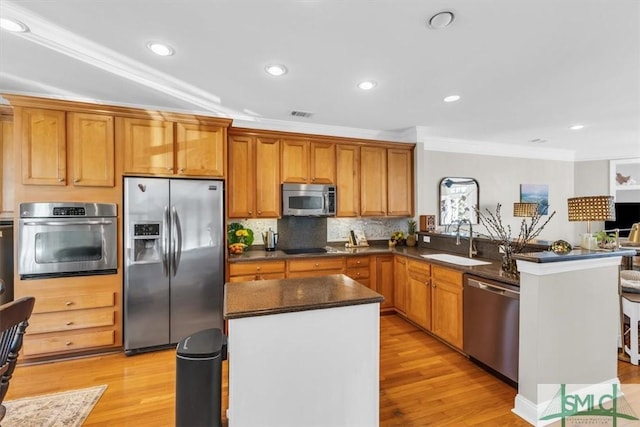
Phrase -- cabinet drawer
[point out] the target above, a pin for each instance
(358, 273)
(357, 261)
(73, 302)
(259, 276)
(314, 273)
(34, 345)
(419, 266)
(252, 268)
(443, 274)
(69, 320)
(311, 264)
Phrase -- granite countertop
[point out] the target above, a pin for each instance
(248, 299)
(492, 270)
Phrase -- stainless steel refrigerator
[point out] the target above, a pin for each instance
(173, 260)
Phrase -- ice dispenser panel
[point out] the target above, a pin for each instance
(146, 242)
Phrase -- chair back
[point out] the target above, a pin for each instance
(14, 317)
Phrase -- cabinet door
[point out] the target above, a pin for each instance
(399, 182)
(148, 146)
(373, 181)
(242, 181)
(267, 178)
(92, 149)
(8, 166)
(348, 180)
(295, 161)
(447, 305)
(322, 163)
(400, 283)
(384, 279)
(200, 150)
(43, 145)
(419, 299)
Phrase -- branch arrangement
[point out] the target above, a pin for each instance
(501, 235)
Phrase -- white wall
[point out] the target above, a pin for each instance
(499, 179)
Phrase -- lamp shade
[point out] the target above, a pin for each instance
(592, 208)
(524, 209)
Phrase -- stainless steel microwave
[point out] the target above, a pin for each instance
(308, 200)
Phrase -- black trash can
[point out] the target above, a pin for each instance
(199, 379)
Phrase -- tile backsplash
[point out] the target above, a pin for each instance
(311, 231)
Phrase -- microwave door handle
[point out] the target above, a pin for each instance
(58, 223)
(325, 204)
(165, 241)
(177, 240)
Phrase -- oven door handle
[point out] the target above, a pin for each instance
(165, 241)
(177, 240)
(62, 223)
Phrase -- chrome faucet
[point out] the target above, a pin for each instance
(472, 250)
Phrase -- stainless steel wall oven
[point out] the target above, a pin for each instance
(67, 239)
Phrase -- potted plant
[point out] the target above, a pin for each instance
(412, 227)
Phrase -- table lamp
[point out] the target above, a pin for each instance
(591, 208)
(521, 209)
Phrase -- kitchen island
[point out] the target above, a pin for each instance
(303, 352)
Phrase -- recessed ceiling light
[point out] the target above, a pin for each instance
(160, 49)
(367, 84)
(576, 127)
(13, 25)
(276, 69)
(538, 140)
(441, 20)
(452, 98)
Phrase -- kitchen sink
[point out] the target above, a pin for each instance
(454, 259)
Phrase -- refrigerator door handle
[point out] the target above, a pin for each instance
(177, 239)
(165, 241)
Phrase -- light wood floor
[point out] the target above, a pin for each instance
(422, 383)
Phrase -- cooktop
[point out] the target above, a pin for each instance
(304, 251)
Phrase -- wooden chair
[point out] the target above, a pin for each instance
(14, 318)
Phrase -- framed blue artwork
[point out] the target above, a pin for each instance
(536, 193)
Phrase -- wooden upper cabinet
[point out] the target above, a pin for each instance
(399, 182)
(242, 182)
(254, 177)
(373, 181)
(43, 146)
(148, 145)
(91, 140)
(322, 162)
(200, 150)
(348, 180)
(294, 161)
(308, 162)
(268, 195)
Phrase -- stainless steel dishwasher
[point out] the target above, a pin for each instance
(491, 322)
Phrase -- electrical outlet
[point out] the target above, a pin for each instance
(426, 239)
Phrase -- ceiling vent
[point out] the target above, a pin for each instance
(304, 114)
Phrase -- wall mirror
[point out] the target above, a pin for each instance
(458, 197)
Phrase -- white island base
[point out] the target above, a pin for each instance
(317, 367)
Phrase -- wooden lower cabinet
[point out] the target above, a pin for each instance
(400, 283)
(72, 315)
(250, 271)
(384, 280)
(359, 269)
(312, 267)
(447, 304)
(419, 293)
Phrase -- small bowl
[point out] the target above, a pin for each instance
(561, 247)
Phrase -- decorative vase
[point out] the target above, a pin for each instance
(411, 240)
(509, 264)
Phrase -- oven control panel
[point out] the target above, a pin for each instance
(69, 211)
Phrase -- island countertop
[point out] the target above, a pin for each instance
(258, 298)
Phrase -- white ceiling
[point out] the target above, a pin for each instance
(526, 69)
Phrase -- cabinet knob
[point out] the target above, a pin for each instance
(357, 274)
(181, 169)
(169, 169)
(317, 265)
(68, 303)
(357, 262)
(68, 343)
(257, 268)
(76, 180)
(69, 323)
(259, 212)
(250, 212)
(60, 179)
